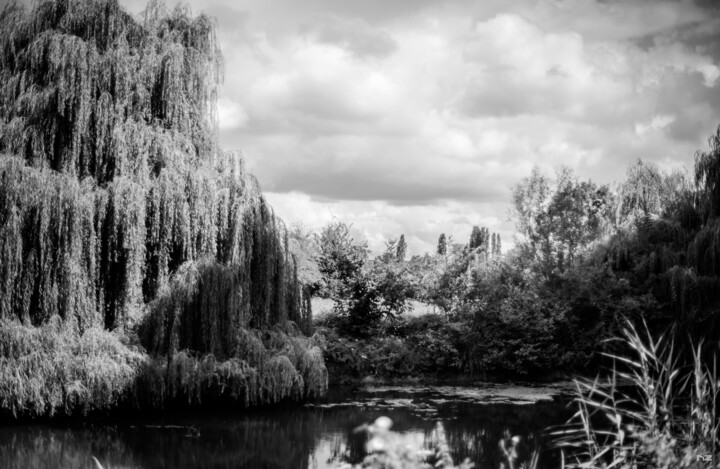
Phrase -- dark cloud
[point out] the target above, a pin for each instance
(374, 10)
(353, 34)
(701, 35)
(372, 182)
(557, 71)
(685, 129)
(695, 106)
(484, 101)
(710, 5)
(233, 26)
(233, 17)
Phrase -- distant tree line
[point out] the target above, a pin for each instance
(587, 256)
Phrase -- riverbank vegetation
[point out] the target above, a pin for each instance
(139, 263)
(592, 264)
(653, 410)
(587, 257)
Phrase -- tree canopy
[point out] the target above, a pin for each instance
(559, 219)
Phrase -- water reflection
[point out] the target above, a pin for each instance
(303, 438)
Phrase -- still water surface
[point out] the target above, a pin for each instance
(312, 436)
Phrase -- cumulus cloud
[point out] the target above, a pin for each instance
(353, 34)
(231, 114)
(377, 221)
(417, 117)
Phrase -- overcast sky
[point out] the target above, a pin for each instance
(418, 116)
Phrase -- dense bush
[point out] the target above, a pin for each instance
(427, 345)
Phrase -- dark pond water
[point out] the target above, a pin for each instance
(312, 436)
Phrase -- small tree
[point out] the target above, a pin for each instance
(304, 249)
(558, 219)
(339, 257)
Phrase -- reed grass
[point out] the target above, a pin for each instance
(651, 411)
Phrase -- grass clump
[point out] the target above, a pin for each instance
(650, 412)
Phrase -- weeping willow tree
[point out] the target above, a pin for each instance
(118, 208)
(668, 242)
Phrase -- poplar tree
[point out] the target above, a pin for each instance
(442, 245)
(475, 237)
(401, 249)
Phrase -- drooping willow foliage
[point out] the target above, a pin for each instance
(69, 248)
(673, 245)
(707, 176)
(286, 367)
(48, 370)
(115, 198)
(123, 180)
(202, 309)
(88, 90)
